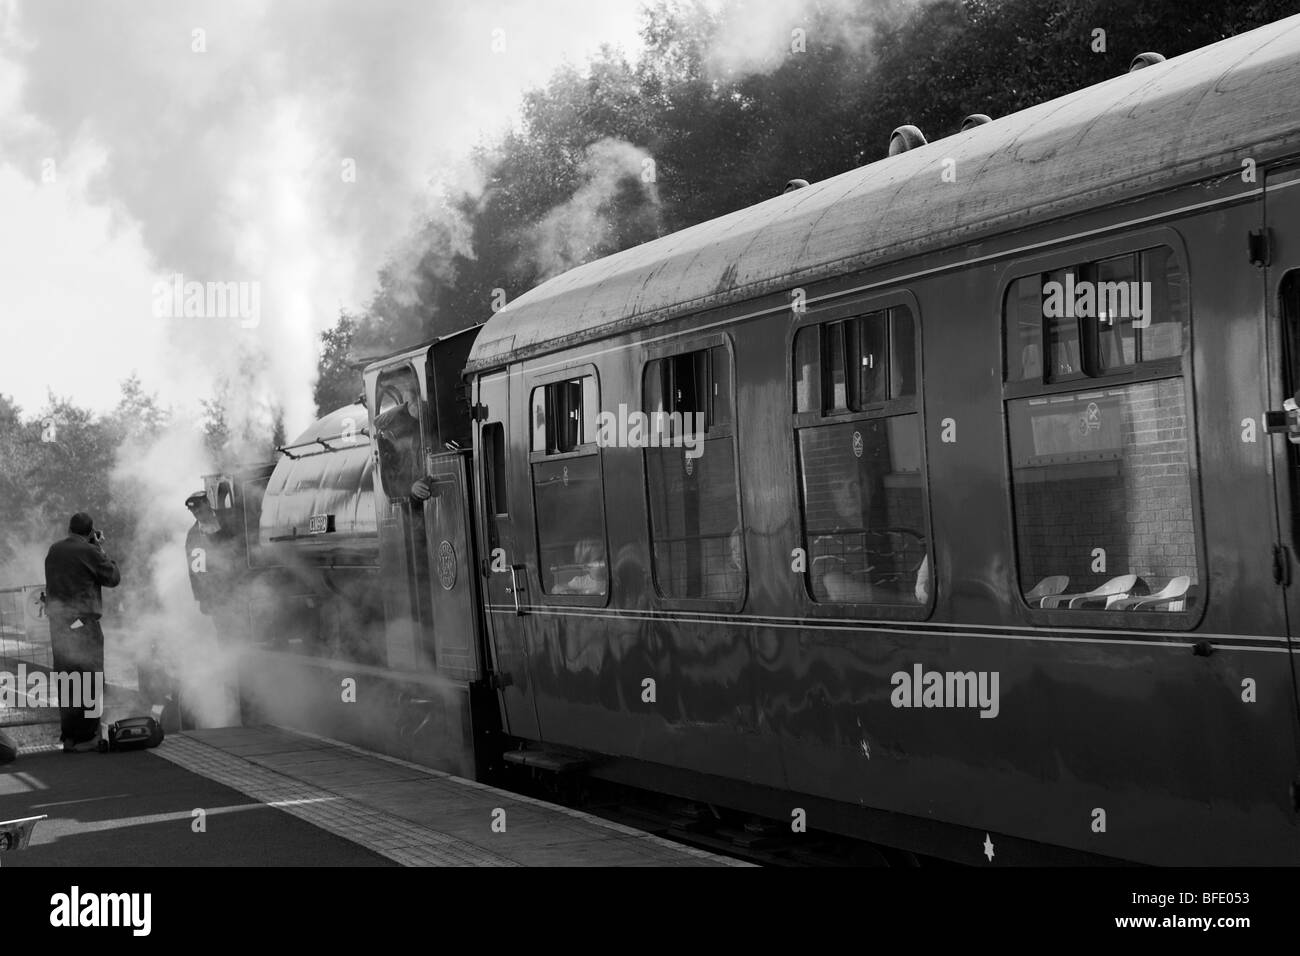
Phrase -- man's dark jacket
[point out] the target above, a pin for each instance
(75, 570)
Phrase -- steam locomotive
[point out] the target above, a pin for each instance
(912, 552)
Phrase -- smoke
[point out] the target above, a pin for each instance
(612, 174)
(759, 36)
(286, 150)
(161, 624)
(289, 145)
(425, 258)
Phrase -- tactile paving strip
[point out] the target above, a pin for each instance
(400, 840)
(393, 836)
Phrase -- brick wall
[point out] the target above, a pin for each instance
(886, 491)
(1138, 507)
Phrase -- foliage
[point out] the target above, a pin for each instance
(61, 460)
(723, 139)
(338, 383)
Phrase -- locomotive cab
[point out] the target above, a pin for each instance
(421, 435)
(356, 570)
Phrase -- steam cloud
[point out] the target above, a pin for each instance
(165, 626)
(237, 161)
(582, 228)
(758, 36)
(298, 145)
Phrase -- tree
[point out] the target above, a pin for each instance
(138, 414)
(18, 507)
(71, 473)
(722, 139)
(339, 382)
(216, 428)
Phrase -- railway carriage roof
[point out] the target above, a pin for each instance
(1190, 117)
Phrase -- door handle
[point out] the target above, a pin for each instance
(514, 585)
(1286, 422)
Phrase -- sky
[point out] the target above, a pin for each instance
(261, 158)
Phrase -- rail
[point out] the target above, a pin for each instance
(348, 439)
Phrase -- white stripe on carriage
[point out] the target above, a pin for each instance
(1153, 638)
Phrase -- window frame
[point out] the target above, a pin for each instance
(588, 449)
(577, 373)
(914, 404)
(1163, 369)
(1078, 255)
(670, 348)
(842, 311)
(495, 480)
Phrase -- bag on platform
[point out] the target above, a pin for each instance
(130, 733)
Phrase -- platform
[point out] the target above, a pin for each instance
(267, 795)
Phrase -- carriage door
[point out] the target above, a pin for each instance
(503, 532)
(1278, 248)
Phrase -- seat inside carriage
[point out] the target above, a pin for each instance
(1125, 592)
(860, 566)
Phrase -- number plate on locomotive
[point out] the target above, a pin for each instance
(320, 524)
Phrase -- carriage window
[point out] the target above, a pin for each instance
(861, 479)
(1095, 318)
(902, 354)
(863, 361)
(1024, 329)
(397, 431)
(1064, 360)
(564, 415)
(863, 517)
(690, 391)
(695, 527)
(1116, 346)
(571, 525)
(807, 357)
(1163, 336)
(1101, 474)
(494, 469)
(567, 493)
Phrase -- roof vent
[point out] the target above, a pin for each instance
(975, 119)
(794, 184)
(1145, 59)
(905, 138)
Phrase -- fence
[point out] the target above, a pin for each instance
(25, 640)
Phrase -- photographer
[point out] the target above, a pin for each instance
(75, 570)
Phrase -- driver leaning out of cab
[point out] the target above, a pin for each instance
(398, 433)
(398, 430)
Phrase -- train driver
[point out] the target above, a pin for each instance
(398, 436)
